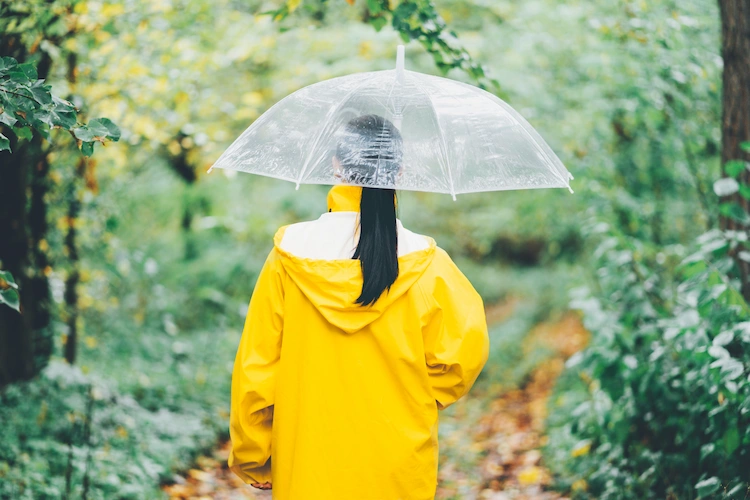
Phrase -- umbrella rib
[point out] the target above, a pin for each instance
(550, 162)
(444, 146)
(325, 123)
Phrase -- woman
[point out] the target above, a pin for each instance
(358, 332)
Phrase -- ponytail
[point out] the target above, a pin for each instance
(377, 249)
(369, 151)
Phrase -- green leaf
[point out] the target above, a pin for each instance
(87, 148)
(375, 8)
(23, 133)
(724, 338)
(708, 486)
(745, 146)
(745, 191)
(4, 143)
(693, 268)
(84, 134)
(104, 127)
(378, 22)
(6, 279)
(733, 298)
(7, 63)
(7, 119)
(731, 440)
(29, 70)
(9, 291)
(735, 212)
(11, 299)
(734, 167)
(41, 93)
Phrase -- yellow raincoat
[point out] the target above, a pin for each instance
(335, 401)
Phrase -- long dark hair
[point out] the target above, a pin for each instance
(370, 150)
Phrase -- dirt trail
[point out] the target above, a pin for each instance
(505, 439)
(511, 433)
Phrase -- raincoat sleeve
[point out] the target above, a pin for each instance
(253, 377)
(455, 335)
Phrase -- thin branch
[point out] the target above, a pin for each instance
(31, 98)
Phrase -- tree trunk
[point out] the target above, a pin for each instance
(71, 282)
(25, 339)
(735, 127)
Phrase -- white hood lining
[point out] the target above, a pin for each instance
(335, 236)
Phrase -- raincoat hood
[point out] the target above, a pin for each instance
(333, 286)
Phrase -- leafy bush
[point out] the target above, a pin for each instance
(65, 433)
(659, 404)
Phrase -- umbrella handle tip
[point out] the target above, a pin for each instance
(209, 169)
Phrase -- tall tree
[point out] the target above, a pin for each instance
(28, 113)
(735, 48)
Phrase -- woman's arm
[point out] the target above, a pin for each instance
(455, 336)
(253, 377)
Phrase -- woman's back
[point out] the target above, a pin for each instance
(344, 397)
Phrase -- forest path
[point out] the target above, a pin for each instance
(490, 440)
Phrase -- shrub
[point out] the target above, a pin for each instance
(659, 404)
(65, 433)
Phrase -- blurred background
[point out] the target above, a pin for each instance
(620, 337)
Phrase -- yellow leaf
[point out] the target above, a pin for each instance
(350, 2)
(101, 36)
(91, 342)
(581, 449)
(42, 416)
(293, 4)
(137, 70)
(174, 148)
(254, 98)
(200, 475)
(112, 10)
(579, 485)
(530, 475)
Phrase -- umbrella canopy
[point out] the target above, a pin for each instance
(397, 129)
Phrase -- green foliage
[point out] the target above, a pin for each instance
(414, 20)
(65, 433)
(657, 406)
(662, 395)
(9, 291)
(26, 104)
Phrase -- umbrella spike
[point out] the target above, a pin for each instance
(454, 196)
(209, 169)
(400, 63)
(570, 189)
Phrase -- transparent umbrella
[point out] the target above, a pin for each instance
(397, 129)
